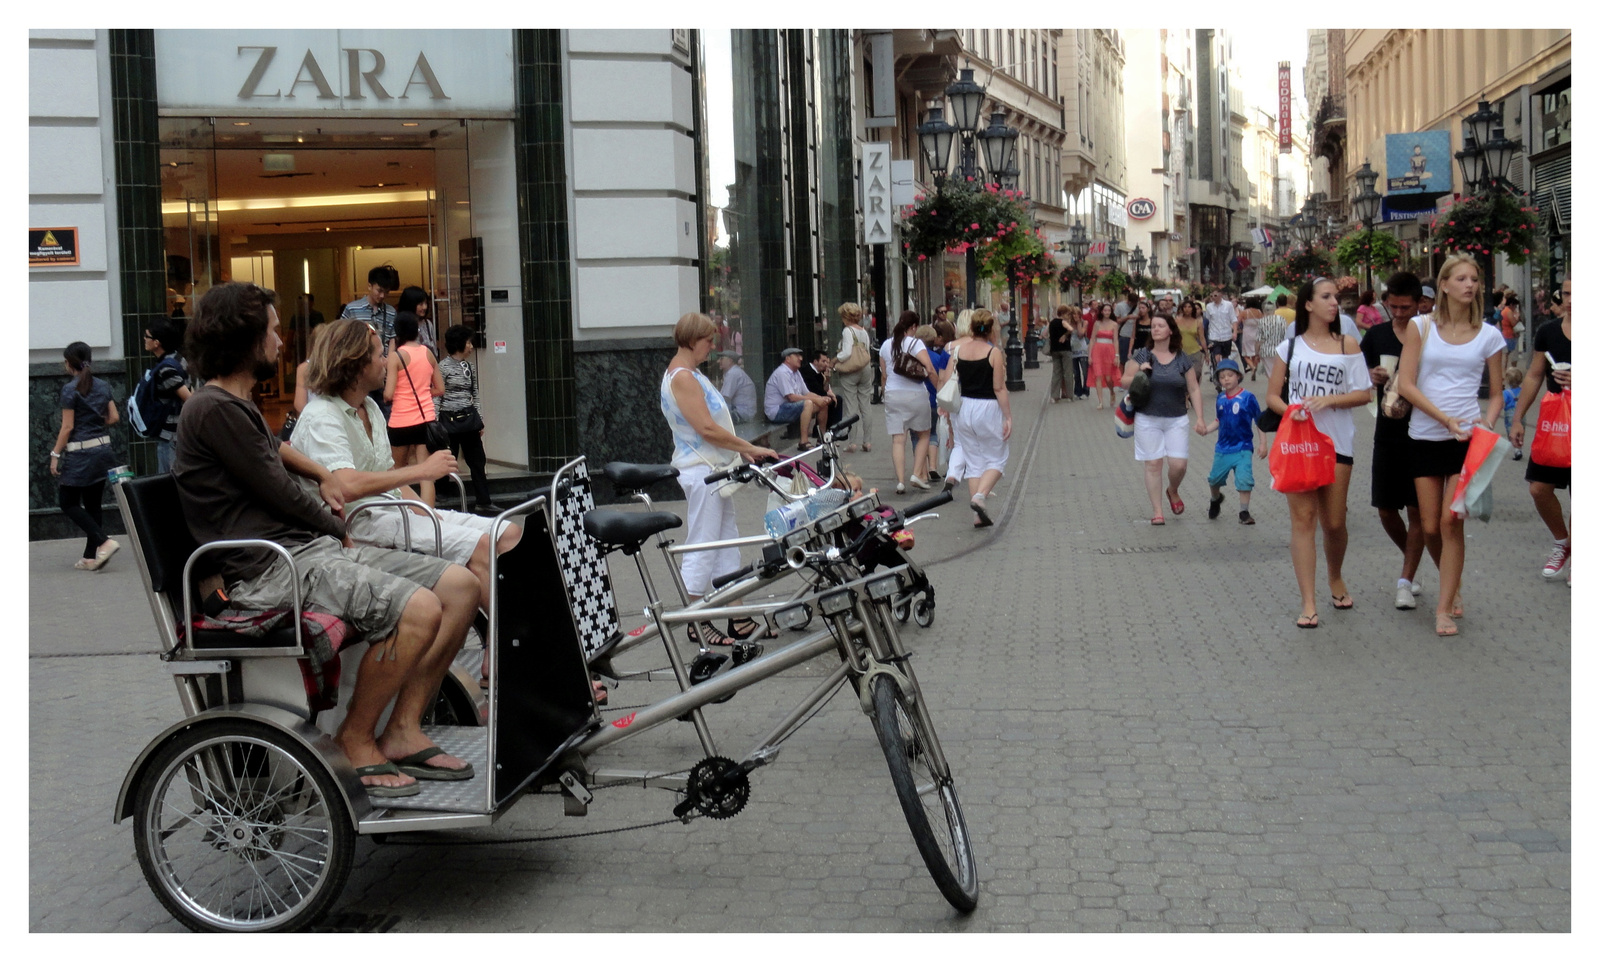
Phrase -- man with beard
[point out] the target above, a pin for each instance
(233, 484)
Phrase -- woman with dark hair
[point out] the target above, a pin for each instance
(416, 300)
(412, 384)
(1161, 425)
(458, 409)
(1327, 376)
(1141, 325)
(1442, 361)
(1188, 324)
(82, 453)
(1103, 356)
(905, 400)
(1367, 314)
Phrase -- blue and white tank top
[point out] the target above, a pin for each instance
(689, 449)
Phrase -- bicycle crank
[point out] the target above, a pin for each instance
(718, 788)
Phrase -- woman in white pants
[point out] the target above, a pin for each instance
(982, 427)
(703, 442)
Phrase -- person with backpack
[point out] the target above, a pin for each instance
(158, 398)
(82, 454)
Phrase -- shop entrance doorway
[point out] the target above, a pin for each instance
(307, 207)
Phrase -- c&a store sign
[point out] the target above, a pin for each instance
(300, 72)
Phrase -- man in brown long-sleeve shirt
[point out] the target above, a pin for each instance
(233, 483)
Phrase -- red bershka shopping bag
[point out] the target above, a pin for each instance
(1552, 439)
(1301, 457)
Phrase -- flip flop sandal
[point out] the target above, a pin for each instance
(750, 626)
(1303, 622)
(1175, 503)
(712, 637)
(416, 766)
(984, 520)
(1444, 627)
(1349, 602)
(1158, 519)
(385, 791)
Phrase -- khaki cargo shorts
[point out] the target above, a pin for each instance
(367, 587)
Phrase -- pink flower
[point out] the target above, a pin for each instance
(974, 225)
(922, 257)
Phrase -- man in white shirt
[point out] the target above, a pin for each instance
(343, 430)
(788, 400)
(1222, 326)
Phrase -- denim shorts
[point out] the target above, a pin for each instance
(787, 411)
(1244, 477)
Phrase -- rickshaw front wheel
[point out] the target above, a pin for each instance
(240, 828)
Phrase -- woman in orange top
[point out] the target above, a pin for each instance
(413, 382)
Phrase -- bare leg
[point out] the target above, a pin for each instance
(807, 411)
(1332, 501)
(1177, 468)
(1452, 552)
(1549, 508)
(986, 483)
(919, 451)
(457, 596)
(1413, 546)
(1394, 526)
(1432, 503)
(384, 668)
(1152, 486)
(897, 451)
(1303, 547)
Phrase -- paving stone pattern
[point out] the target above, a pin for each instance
(1143, 741)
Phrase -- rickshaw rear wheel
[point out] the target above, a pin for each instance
(240, 828)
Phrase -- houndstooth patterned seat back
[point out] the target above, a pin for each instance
(588, 577)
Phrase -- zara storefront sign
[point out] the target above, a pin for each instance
(876, 181)
(296, 72)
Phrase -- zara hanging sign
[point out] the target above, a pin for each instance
(292, 72)
(875, 192)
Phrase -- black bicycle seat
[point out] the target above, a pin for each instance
(633, 477)
(615, 528)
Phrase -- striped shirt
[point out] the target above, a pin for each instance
(460, 385)
(380, 317)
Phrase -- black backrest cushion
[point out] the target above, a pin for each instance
(157, 517)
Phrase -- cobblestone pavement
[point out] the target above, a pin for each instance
(1142, 739)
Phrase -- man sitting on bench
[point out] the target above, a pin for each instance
(233, 484)
(342, 430)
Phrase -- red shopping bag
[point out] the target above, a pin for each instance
(1485, 451)
(1301, 457)
(1552, 440)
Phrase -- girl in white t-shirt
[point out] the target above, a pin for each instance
(1442, 359)
(1328, 378)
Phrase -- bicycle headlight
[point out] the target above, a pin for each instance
(797, 538)
(863, 507)
(886, 587)
(837, 601)
(794, 617)
(831, 522)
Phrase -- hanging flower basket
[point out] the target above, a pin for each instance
(1496, 223)
(1300, 266)
(1113, 283)
(1359, 248)
(1081, 275)
(959, 217)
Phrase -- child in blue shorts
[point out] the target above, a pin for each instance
(1236, 440)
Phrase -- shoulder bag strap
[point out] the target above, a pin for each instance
(405, 368)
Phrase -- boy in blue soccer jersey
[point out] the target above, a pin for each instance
(1236, 438)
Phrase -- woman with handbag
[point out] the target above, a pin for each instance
(413, 382)
(458, 410)
(1552, 341)
(981, 424)
(852, 371)
(1161, 422)
(1326, 375)
(905, 363)
(1442, 361)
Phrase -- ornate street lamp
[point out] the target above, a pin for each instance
(1480, 122)
(999, 144)
(966, 101)
(1365, 206)
(1138, 261)
(936, 137)
(1498, 152)
(1470, 159)
(1078, 244)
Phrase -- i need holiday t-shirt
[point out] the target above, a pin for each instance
(1315, 374)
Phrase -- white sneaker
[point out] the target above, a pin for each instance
(917, 482)
(1404, 599)
(1560, 557)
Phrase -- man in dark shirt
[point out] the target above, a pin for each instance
(815, 375)
(233, 482)
(1393, 490)
(1060, 346)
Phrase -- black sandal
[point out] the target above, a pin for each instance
(749, 626)
(713, 637)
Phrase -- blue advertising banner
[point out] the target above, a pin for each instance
(1418, 163)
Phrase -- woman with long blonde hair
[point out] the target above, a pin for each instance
(1442, 360)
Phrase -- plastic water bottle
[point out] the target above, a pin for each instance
(825, 501)
(785, 518)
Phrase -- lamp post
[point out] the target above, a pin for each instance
(1137, 262)
(1078, 243)
(1365, 207)
(937, 136)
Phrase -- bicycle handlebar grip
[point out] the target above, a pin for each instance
(846, 422)
(732, 576)
(716, 476)
(943, 497)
